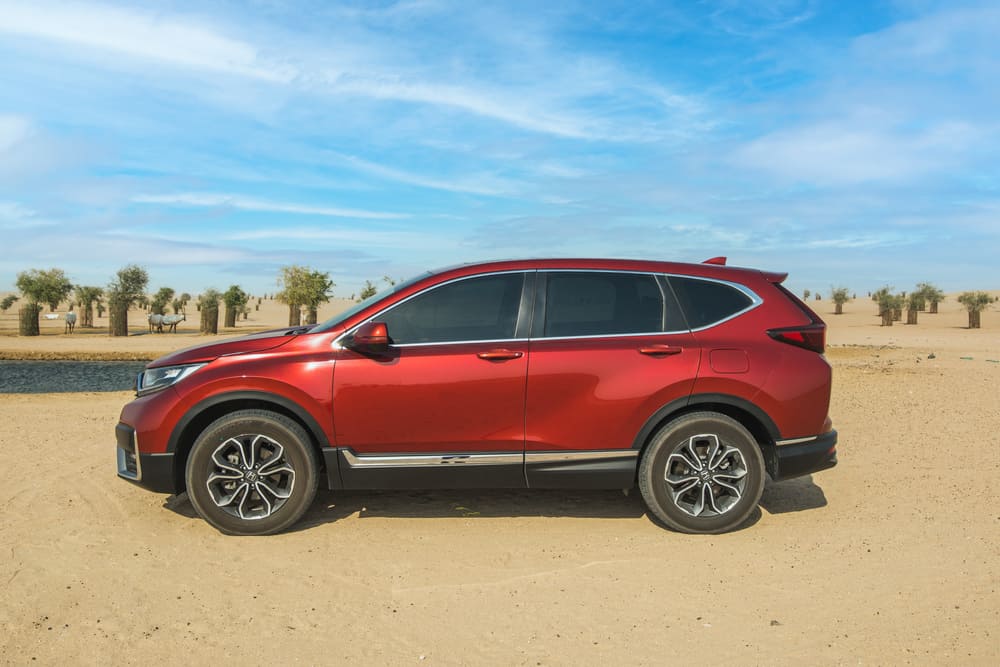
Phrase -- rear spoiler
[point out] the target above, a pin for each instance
(769, 276)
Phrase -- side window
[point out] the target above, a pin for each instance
(582, 303)
(706, 302)
(482, 308)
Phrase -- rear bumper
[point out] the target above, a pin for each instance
(802, 456)
(154, 472)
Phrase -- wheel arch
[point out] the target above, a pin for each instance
(759, 423)
(198, 418)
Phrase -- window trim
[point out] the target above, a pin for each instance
(755, 300)
(541, 307)
(520, 323)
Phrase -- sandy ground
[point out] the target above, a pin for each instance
(892, 557)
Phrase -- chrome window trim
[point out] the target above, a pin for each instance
(755, 300)
(374, 317)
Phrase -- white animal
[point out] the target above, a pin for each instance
(70, 322)
(51, 316)
(155, 322)
(172, 321)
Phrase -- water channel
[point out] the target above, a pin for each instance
(44, 377)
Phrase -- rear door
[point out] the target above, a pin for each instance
(608, 349)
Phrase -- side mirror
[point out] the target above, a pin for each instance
(370, 338)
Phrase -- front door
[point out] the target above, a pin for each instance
(445, 406)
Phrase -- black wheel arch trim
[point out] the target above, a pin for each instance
(696, 400)
(315, 430)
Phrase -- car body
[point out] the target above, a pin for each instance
(692, 381)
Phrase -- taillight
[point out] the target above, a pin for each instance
(811, 337)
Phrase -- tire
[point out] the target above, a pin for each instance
(702, 473)
(252, 472)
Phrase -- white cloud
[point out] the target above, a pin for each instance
(138, 34)
(845, 153)
(211, 200)
(483, 184)
(13, 130)
(355, 237)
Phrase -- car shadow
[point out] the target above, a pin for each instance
(792, 495)
(330, 506)
(437, 504)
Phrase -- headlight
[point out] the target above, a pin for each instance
(155, 379)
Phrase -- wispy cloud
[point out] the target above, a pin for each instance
(13, 130)
(145, 35)
(214, 200)
(483, 184)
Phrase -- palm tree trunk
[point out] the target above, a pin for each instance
(230, 316)
(210, 319)
(911, 316)
(887, 317)
(27, 323)
(973, 319)
(933, 309)
(311, 317)
(88, 315)
(118, 318)
(293, 315)
(839, 310)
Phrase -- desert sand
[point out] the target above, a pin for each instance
(892, 557)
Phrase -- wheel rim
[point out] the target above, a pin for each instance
(250, 478)
(705, 477)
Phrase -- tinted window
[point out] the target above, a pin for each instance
(596, 303)
(483, 308)
(705, 302)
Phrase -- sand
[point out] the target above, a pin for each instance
(892, 557)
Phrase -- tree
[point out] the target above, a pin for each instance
(975, 302)
(161, 300)
(932, 295)
(87, 296)
(8, 301)
(208, 304)
(40, 287)
(303, 286)
(180, 303)
(888, 304)
(235, 300)
(914, 304)
(126, 290)
(367, 291)
(839, 296)
(806, 294)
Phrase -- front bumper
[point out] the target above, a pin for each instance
(150, 471)
(803, 456)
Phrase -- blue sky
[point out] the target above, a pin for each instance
(213, 142)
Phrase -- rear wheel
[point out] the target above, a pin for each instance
(252, 472)
(702, 473)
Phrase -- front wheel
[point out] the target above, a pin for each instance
(702, 473)
(252, 472)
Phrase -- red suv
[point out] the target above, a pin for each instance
(691, 381)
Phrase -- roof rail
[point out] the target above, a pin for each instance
(721, 261)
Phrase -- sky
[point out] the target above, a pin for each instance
(213, 142)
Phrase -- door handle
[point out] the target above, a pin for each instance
(500, 355)
(660, 350)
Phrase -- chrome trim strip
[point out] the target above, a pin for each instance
(122, 469)
(795, 441)
(428, 460)
(576, 456)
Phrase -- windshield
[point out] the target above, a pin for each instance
(345, 315)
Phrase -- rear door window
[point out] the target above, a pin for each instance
(707, 302)
(471, 309)
(593, 303)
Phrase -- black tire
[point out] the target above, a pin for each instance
(255, 457)
(708, 499)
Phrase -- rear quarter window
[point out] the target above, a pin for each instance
(706, 302)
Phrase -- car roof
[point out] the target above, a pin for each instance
(717, 271)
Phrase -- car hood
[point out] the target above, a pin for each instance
(256, 342)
